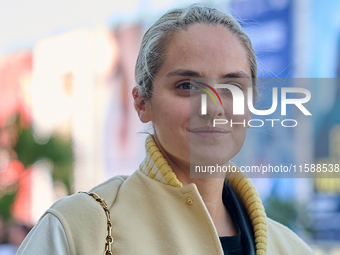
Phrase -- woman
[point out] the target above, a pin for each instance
(159, 209)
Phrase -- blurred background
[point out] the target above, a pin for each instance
(67, 120)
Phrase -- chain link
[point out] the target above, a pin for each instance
(108, 239)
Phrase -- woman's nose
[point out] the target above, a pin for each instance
(210, 108)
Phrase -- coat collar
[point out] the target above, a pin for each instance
(156, 167)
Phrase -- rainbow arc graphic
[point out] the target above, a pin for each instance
(204, 98)
(209, 93)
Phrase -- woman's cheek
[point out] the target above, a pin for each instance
(228, 110)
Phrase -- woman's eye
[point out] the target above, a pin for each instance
(186, 86)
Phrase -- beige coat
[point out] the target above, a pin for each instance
(152, 218)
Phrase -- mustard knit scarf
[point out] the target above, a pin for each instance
(156, 167)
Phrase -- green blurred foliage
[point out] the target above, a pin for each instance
(285, 212)
(58, 151)
(5, 203)
(29, 150)
(289, 213)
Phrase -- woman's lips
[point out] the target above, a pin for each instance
(209, 132)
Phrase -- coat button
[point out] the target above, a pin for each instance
(189, 201)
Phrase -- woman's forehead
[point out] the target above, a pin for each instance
(209, 50)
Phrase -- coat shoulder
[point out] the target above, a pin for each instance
(282, 240)
(76, 203)
(83, 218)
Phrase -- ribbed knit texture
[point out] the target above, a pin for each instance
(246, 192)
(156, 167)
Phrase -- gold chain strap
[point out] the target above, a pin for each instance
(109, 239)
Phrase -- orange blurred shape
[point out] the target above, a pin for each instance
(14, 69)
(10, 174)
(22, 207)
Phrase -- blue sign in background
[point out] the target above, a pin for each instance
(270, 25)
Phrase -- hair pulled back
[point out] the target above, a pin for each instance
(159, 35)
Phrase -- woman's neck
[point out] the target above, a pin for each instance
(210, 190)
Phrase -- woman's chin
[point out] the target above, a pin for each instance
(208, 158)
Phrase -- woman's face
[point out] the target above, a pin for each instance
(214, 56)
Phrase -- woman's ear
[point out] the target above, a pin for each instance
(140, 104)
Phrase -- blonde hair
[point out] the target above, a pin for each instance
(158, 36)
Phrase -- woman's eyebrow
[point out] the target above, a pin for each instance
(190, 73)
(239, 74)
(183, 72)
